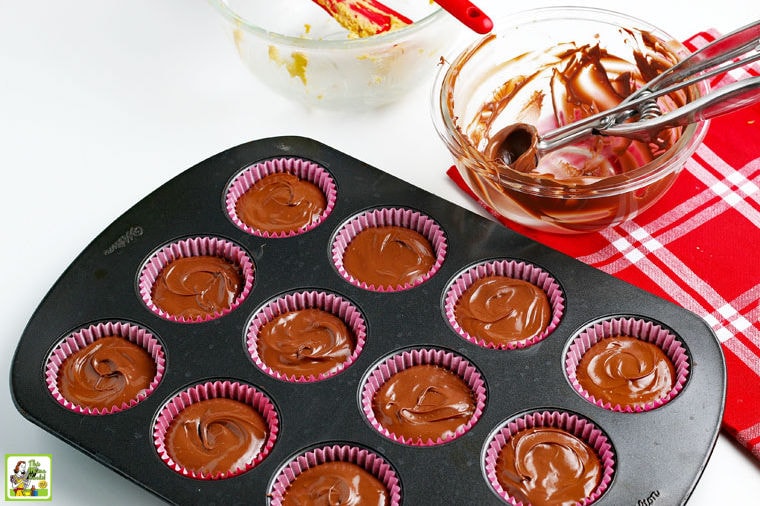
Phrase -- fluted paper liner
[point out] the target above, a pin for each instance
(455, 363)
(303, 169)
(367, 460)
(570, 422)
(330, 302)
(400, 217)
(511, 269)
(86, 336)
(212, 390)
(196, 246)
(639, 328)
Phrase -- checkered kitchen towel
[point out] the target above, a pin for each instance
(698, 247)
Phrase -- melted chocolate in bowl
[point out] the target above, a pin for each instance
(547, 69)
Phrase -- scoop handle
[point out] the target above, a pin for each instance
(469, 14)
(712, 56)
(723, 100)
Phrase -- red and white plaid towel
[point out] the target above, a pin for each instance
(700, 248)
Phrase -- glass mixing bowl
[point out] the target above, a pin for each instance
(300, 51)
(548, 67)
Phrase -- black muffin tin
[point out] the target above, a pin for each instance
(659, 453)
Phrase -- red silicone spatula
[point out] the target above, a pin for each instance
(364, 17)
(466, 12)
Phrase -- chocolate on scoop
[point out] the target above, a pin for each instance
(516, 146)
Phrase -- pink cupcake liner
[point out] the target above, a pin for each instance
(570, 422)
(645, 330)
(511, 269)
(367, 460)
(213, 390)
(423, 356)
(197, 246)
(399, 217)
(86, 336)
(304, 169)
(329, 302)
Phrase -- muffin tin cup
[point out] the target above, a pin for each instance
(212, 390)
(329, 302)
(400, 217)
(195, 246)
(640, 328)
(367, 460)
(422, 356)
(303, 169)
(573, 423)
(524, 271)
(86, 336)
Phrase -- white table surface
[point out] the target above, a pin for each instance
(102, 101)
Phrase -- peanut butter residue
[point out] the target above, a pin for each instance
(237, 37)
(296, 65)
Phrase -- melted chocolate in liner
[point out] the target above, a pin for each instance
(424, 402)
(500, 310)
(305, 342)
(195, 287)
(336, 483)
(216, 436)
(108, 372)
(280, 202)
(626, 371)
(388, 256)
(548, 466)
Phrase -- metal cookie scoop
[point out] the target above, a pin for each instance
(638, 116)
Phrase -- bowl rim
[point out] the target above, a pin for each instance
(450, 132)
(222, 6)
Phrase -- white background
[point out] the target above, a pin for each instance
(103, 101)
